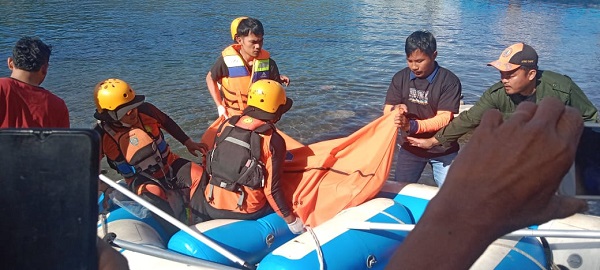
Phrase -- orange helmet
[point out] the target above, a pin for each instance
(234, 26)
(114, 97)
(267, 100)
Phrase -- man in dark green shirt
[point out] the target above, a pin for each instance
(520, 80)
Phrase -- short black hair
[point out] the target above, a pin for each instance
(250, 25)
(31, 53)
(420, 40)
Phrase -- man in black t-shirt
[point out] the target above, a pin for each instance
(426, 97)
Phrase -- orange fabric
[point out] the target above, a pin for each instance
(154, 189)
(249, 123)
(211, 132)
(326, 177)
(128, 149)
(440, 120)
(111, 150)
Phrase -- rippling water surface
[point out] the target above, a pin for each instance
(340, 55)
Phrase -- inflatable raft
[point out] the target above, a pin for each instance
(267, 243)
(334, 190)
(578, 252)
(144, 242)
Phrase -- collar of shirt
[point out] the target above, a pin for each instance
(430, 77)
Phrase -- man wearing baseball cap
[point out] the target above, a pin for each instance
(520, 80)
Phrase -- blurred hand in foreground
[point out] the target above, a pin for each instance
(503, 180)
(109, 258)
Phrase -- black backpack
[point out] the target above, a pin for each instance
(235, 159)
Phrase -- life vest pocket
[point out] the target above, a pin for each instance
(141, 151)
(251, 175)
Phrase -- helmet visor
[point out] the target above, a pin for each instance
(125, 108)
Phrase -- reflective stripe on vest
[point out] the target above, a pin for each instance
(236, 66)
(260, 69)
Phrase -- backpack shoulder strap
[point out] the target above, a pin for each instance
(234, 119)
(223, 131)
(264, 128)
(256, 139)
(255, 145)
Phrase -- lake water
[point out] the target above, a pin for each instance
(339, 54)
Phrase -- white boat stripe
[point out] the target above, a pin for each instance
(392, 217)
(525, 254)
(215, 223)
(303, 244)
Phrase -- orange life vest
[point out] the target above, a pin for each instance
(235, 86)
(138, 149)
(246, 200)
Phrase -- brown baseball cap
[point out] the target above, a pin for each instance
(515, 56)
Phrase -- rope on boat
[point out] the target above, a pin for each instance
(317, 247)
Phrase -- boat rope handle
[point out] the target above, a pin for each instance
(317, 247)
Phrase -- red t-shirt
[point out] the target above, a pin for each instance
(26, 106)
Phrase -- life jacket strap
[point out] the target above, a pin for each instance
(211, 196)
(240, 201)
(241, 198)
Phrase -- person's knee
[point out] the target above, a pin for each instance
(153, 189)
(197, 175)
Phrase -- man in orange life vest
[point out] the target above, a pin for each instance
(246, 163)
(134, 144)
(239, 65)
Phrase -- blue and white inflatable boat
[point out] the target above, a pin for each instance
(267, 243)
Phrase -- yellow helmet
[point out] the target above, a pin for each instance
(234, 26)
(115, 97)
(267, 95)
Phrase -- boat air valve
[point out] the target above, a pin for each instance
(269, 240)
(371, 260)
(575, 260)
